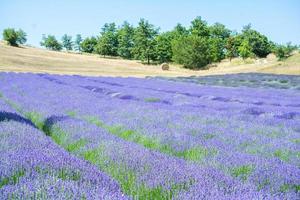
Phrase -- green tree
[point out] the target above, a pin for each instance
(179, 31)
(231, 48)
(108, 41)
(219, 36)
(191, 51)
(144, 41)
(164, 47)
(216, 49)
(284, 51)
(50, 42)
(88, 45)
(13, 37)
(245, 49)
(219, 30)
(259, 43)
(125, 41)
(67, 42)
(199, 27)
(78, 41)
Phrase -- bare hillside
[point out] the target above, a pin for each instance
(36, 60)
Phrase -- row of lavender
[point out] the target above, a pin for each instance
(32, 166)
(256, 80)
(164, 140)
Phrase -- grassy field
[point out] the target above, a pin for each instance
(36, 60)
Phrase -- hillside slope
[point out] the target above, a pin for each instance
(29, 59)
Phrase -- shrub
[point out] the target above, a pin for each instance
(192, 51)
(284, 51)
(13, 37)
(50, 42)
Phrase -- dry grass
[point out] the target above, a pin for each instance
(28, 59)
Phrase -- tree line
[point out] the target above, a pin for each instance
(193, 47)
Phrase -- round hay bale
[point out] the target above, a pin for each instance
(165, 66)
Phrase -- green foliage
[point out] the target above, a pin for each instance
(286, 187)
(191, 51)
(219, 35)
(284, 51)
(108, 41)
(216, 49)
(125, 40)
(66, 174)
(13, 179)
(144, 48)
(152, 99)
(194, 48)
(282, 154)
(88, 45)
(242, 172)
(260, 45)
(193, 154)
(36, 119)
(72, 147)
(164, 47)
(179, 31)
(219, 30)
(245, 49)
(13, 37)
(77, 44)
(231, 48)
(199, 28)
(50, 42)
(67, 42)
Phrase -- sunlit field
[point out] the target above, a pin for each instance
(216, 137)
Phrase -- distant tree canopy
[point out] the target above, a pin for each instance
(125, 41)
(77, 44)
(193, 47)
(88, 45)
(144, 41)
(67, 42)
(191, 51)
(50, 42)
(13, 37)
(108, 40)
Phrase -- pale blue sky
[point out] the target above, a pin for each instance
(279, 20)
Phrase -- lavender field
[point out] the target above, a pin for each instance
(75, 137)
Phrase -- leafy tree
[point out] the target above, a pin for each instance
(50, 42)
(13, 37)
(231, 48)
(219, 30)
(259, 43)
(217, 47)
(219, 36)
(21, 37)
(67, 42)
(245, 49)
(199, 27)
(88, 45)
(78, 41)
(108, 41)
(125, 41)
(164, 47)
(179, 31)
(144, 41)
(191, 51)
(284, 51)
